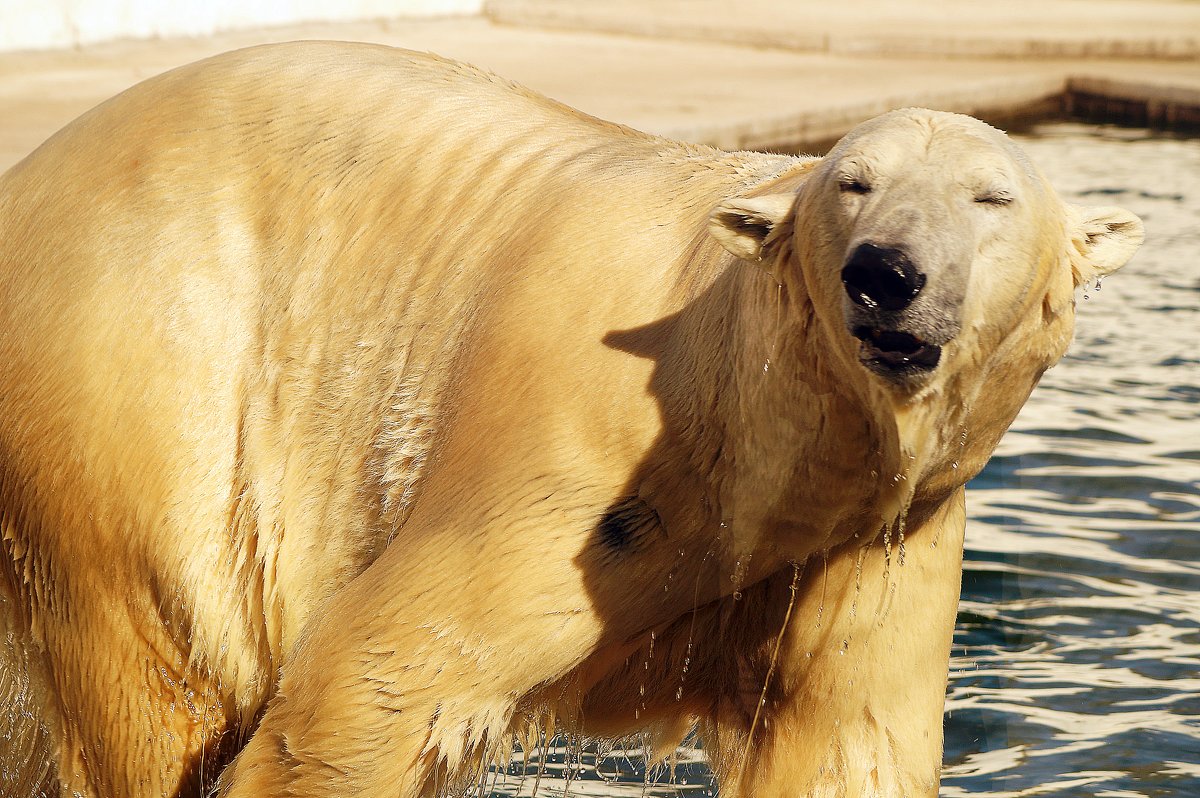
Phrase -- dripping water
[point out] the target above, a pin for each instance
(738, 577)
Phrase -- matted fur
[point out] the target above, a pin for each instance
(367, 408)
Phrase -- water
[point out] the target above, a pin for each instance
(1076, 663)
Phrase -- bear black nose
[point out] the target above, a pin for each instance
(881, 278)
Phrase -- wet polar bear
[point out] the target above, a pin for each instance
(359, 410)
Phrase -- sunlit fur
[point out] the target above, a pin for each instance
(360, 410)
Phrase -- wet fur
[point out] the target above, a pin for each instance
(360, 410)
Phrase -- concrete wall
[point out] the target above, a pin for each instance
(47, 24)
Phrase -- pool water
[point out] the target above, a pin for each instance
(1076, 661)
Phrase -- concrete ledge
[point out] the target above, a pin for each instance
(1182, 47)
(812, 130)
(1137, 90)
(45, 24)
(1170, 107)
(1157, 29)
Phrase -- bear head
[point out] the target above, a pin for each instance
(926, 241)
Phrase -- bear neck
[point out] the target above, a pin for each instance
(785, 455)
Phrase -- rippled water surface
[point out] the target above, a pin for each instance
(1076, 665)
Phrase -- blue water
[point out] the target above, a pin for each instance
(1076, 661)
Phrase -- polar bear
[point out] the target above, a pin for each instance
(359, 409)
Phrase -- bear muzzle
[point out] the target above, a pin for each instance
(901, 327)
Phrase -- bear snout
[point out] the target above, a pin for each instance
(900, 322)
(881, 278)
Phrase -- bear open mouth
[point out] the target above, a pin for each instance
(895, 351)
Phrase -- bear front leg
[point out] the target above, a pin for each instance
(854, 698)
(407, 685)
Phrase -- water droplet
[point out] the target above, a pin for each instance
(737, 595)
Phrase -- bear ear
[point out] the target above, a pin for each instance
(1103, 239)
(750, 226)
